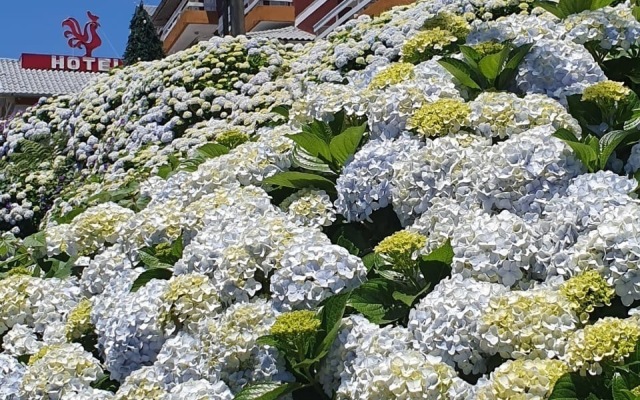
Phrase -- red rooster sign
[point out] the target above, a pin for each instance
(87, 38)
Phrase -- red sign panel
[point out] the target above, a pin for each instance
(68, 63)
(87, 37)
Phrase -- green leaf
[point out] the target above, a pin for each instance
(302, 159)
(24, 359)
(266, 391)
(331, 320)
(471, 56)
(460, 71)
(36, 240)
(349, 245)
(636, 12)
(491, 65)
(436, 265)
(312, 144)
(610, 142)
(149, 259)
(585, 152)
(508, 73)
(344, 145)
(565, 388)
(374, 300)
(211, 150)
(165, 171)
(68, 217)
(154, 273)
(177, 247)
(619, 389)
(282, 110)
(301, 180)
(373, 260)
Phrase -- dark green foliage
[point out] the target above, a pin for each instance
(563, 8)
(144, 43)
(479, 73)
(614, 383)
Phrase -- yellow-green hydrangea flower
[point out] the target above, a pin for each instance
(19, 271)
(486, 48)
(394, 74)
(606, 93)
(440, 118)
(189, 299)
(232, 138)
(456, 24)
(400, 247)
(296, 325)
(609, 340)
(426, 44)
(587, 291)
(636, 391)
(523, 379)
(79, 321)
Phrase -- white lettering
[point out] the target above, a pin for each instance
(57, 62)
(104, 64)
(73, 63)
(88, 62)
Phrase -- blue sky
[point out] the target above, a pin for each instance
(34, 26)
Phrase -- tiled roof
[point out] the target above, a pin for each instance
(35, 82)
(288, 33)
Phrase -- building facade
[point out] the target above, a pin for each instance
(182, 23)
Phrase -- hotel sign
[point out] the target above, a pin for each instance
(68, 63)
(86, 38)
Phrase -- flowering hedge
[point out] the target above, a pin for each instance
(435, 203)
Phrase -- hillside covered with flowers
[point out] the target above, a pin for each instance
(437, 203)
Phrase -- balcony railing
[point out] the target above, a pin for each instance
(251, 4)
(333, 19)
(184, 5)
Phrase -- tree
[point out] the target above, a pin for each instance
(144, 43)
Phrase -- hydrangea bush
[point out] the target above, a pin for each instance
(438, 202)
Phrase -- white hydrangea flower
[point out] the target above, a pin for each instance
(143, 384)
(633, 163)
(129, 329)
(364, 185)
(21, 340)
(200, 390)
(88, 231)
(230, 349)
(526, 379)
(431, 171)
(59, 368)
(189, 299)
(11, 374)
(527, 324)
(558, 68)
(518, 28)
(310, 273)
(310, 207)
(444, 323)
(613, 249)
(610, 27)
(88, 393)
(502, 115)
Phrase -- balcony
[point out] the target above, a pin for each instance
(190, 21)
(261, 15)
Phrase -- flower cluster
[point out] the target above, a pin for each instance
(440, 118)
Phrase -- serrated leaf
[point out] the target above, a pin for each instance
(36, 240)
(565, 388)
(148, 275)
(471, 56)
(619, 389)
(611, 141)
(460, 71)
(266, 391)
(68, 217)
(301, 180)
(374, 300)
(312, 144)
(344, 145)
(211, 150)
(302, 159)
(331, 320)
(585, 152)
(165, 171)
(373, 260)
(148, 258)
